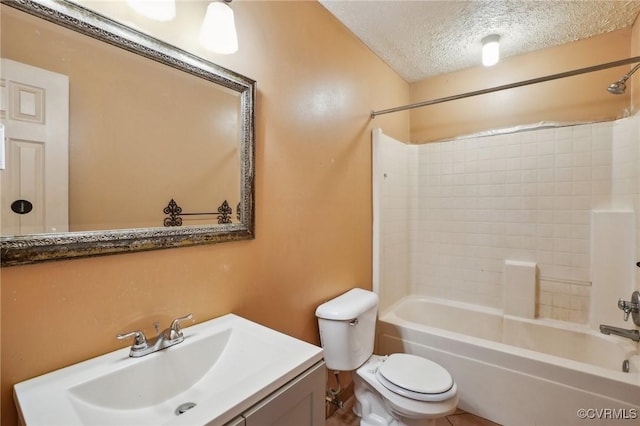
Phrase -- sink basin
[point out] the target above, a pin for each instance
(223, 367)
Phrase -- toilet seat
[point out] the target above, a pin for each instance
(415, 377)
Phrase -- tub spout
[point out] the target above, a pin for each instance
(629, 334)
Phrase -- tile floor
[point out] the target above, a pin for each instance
(345, 417)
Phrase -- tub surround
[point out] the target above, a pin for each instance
(454, 212)
(513, 247)
(613, 263)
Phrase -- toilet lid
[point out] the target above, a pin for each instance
(410, 374)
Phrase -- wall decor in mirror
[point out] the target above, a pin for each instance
(105, 127)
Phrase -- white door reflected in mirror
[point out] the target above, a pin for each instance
(35, 181)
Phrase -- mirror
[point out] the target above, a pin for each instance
(174, 171)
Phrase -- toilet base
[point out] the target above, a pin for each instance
(370, 408)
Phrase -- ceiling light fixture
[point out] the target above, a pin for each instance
(218, 31)
(490, 50)
(158, 10)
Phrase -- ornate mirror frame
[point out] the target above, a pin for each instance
(18, 250)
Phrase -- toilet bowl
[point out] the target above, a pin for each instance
(403, 390)
(392, 390)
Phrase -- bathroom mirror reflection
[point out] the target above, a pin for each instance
(158, 151)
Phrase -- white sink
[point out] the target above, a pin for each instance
(224, 366)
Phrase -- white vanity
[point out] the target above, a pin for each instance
(227, 371)
(298, 403)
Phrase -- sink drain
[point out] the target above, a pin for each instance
(183, 408)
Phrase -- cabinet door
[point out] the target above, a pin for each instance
(298, 403)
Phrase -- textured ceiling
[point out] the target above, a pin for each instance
(420, 39)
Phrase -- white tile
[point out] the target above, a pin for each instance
(563, 160)
(581, 188)
(581, 217)
(514, 176)
(546, 161)
(562, 231)
(563, 174)
(544, 230)
(601, 158)
(561, 202)
(545, 244)
(530, 189)
(526, 196)
(546, 189)
(562, 259)
(561, 245)
(546, 147)
(601, 172)
(581, 144)
(529, 163)
(580, 232)
(563, 146)
(581, 274)
(546, 175)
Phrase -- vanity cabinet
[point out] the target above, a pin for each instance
(300, 402)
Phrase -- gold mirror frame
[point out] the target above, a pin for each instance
(19, 250)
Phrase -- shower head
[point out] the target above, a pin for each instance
(617, 88)
(620, 86)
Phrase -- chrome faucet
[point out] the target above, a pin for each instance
(168, 337)
(631, 308)
(629, 334)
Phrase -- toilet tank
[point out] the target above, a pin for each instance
(347, 329)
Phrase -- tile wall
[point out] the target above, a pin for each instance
(473, 203)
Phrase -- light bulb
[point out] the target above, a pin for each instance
(218, 31)
(490, 50)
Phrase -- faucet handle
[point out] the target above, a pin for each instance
(139, 341)
(628, 308)
(624, 306)
(175, 329)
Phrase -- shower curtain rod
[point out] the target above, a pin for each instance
(600, 67)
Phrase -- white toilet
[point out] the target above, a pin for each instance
(393, 390)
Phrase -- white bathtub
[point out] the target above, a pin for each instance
(516, 371)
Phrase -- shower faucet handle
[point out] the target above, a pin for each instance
(632, 307)
(624, 306)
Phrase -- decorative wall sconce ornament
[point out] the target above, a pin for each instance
(175, 213)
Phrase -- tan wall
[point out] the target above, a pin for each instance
(580, 98)
(316, 86)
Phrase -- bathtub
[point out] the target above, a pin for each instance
(517, 371)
